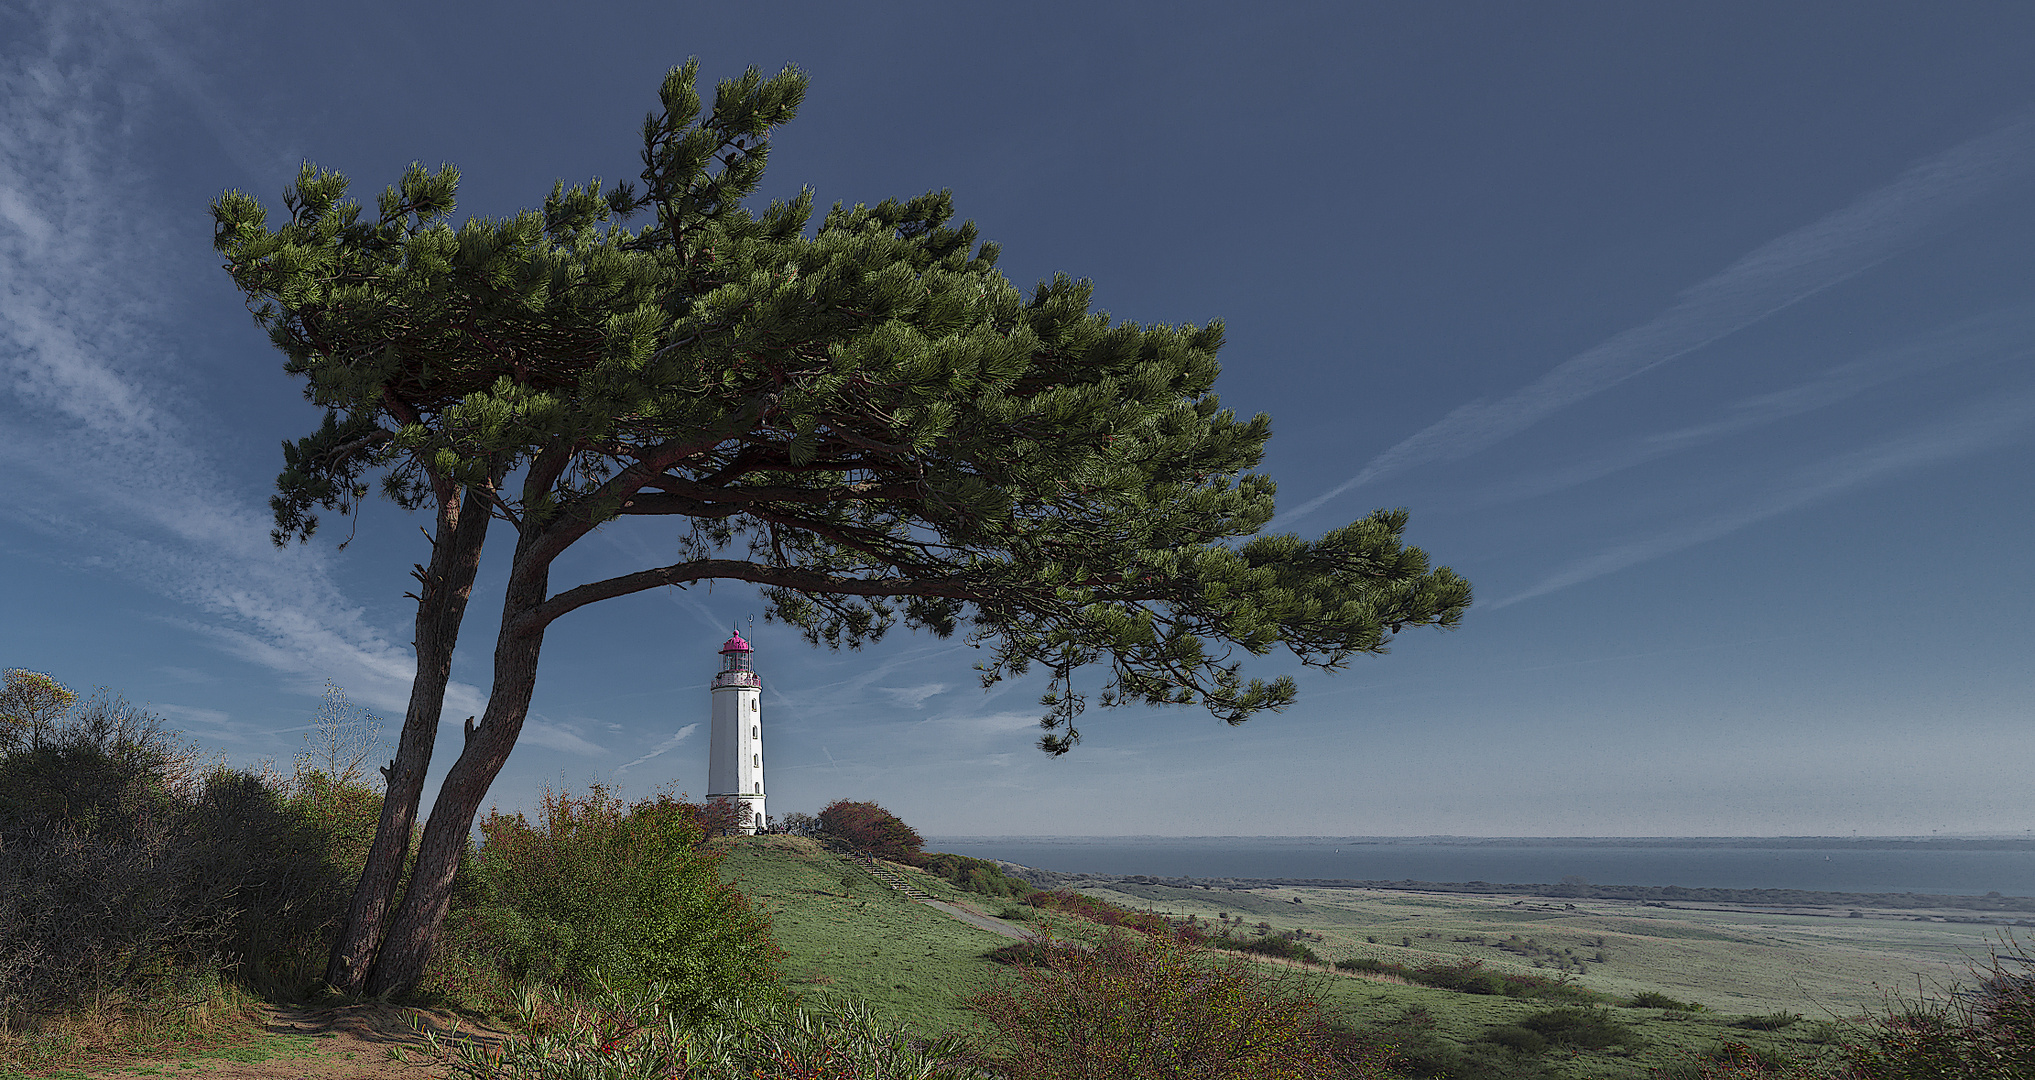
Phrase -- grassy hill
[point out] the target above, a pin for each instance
(846, 933)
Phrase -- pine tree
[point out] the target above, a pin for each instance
(865, 419)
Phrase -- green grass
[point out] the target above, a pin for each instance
(846, 933)
(1743, 962)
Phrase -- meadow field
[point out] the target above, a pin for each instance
(1823, 964)
(1787, 986)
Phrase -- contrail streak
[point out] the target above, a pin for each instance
(1781, 273)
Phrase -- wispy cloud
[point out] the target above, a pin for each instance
(1770, 279)
(193, 715)
(1971, 431)
(2008, 334)
(553, 735)
(662, 748)
(914, 697)
(94, 446)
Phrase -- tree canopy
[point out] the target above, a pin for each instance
(866, 418)
(859, 414)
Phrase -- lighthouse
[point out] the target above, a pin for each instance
(735, 753)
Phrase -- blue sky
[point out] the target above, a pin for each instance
(1697, 338)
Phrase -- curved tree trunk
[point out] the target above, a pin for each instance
(413, 932)
(444, 588)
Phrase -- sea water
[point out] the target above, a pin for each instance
(1970, 866)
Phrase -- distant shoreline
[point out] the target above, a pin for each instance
(1961, 842)
(1968, 908)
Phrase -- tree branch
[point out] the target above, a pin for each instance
(784, 577)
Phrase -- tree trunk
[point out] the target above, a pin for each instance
(413, 932)
(441, 605)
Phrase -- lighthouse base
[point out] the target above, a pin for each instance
(749, 816)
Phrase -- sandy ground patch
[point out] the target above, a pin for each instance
(354, 1042)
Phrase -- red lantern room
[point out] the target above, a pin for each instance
(735, 665)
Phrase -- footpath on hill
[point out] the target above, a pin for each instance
(976, 918)
(355, 1042)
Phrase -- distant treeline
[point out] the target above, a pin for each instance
(1051, 879)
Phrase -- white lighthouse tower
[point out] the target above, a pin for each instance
(735, 754)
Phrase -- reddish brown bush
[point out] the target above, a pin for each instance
(1142, 1008)
(871, 829)
(1108, 914)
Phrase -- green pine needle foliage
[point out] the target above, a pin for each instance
(858, 413)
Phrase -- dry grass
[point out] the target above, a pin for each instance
(124, 1025)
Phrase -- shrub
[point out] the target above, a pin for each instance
(631, 1034)
(1282, 945)
(1584, 1029)
(1773, 1021)
(1471, 977)
(972, 875)
(1652, 999)
(1517, 1039)
(799, 825)
(715, 817)
(871, 829)
(1136, 1007)
(1019, 954)
(1108, 914)
(1464, 977)
(31, 706)
(128, 864)
(596, 893)
(1988, 1033)
(1417, 1051)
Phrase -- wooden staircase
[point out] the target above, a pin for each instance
(879, 871)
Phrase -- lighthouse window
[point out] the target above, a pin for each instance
(756, 760)
(752, 707)
(759, 787)
(756, 731)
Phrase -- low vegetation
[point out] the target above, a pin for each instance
(871, 829)
(1472, 977)
(133, 868)
(598, 894)
(978, 876)
(147, 891)
(1145, 1007)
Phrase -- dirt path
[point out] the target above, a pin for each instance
(356, 1042)
(976, 918)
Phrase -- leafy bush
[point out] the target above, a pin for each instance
(799, 825)
(1471, 977)
(596, 893)
(127, 862)
(870, 828)
(1583, 1029)
(972, 875)
(715, 817)
(1417, 1051)
(1517, 1039)
(1282, 945)
(1651, 999)
(1136, 1007)
(1986, 1034)
(1464, 977)
(1773, 1021)
(31, 704)
(1020, 954)
(1108, 914)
